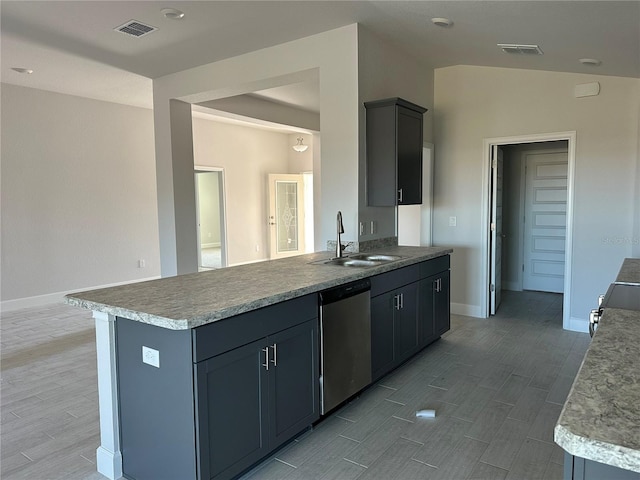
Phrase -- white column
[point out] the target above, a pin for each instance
(108, 454)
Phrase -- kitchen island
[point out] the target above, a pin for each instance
(599, 426)
(202, 375)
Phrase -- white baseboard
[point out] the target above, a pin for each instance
(576, 324)
(210, 245)
(58, 297)
(466, 310)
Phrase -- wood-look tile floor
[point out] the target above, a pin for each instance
(497, 386)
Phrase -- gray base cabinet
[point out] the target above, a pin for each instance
(578, 468)
(409, 310)
(223, 396)
(254, 398)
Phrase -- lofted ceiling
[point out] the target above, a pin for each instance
(72, 46)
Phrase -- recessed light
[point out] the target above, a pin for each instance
(28, 71)
(442, 22)
(172, 13)
(590, 61)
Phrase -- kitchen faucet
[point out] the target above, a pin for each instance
(340, 229)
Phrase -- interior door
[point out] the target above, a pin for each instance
(545, 220)
(496, 227)
(286, 215)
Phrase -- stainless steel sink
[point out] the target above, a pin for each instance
(361, 260)
(376, 257)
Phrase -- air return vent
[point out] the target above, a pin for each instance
(135, 28)
(516, 49)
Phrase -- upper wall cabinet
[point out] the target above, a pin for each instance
(394, 152)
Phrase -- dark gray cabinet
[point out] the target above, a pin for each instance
(254, 398)
(394, 152)
(223, 395)
(578, 468)
(434, 301)
(394, 319)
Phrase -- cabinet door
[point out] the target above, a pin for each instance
(442, 304)
(406, 322)
(231, 406)
(382, 334)
(426, 313)
(293, 381)
(409, 162)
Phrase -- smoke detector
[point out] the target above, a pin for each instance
(135, 28)
(518, 49)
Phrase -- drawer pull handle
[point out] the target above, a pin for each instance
(266, 358)
(275, 354)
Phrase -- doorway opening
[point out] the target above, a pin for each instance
(528, 192)
(210, 214)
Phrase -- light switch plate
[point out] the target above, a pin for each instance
(151, 356)
(453, 221)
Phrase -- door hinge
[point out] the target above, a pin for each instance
(494, 163)
(493, 287)
(493, 227)
(523, 267)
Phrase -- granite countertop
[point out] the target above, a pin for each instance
(629, 272)
(600, 420)
(188, 301)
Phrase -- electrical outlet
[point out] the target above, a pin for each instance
(151, 356)
(141, 263)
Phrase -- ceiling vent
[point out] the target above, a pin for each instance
(135, 29)
(516, 49)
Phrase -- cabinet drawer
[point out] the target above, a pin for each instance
(224, 335)
(385, 282)
(433, 266)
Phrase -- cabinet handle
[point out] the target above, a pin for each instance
(402, 300)
(396, 302)
(275, 354)
(266, 358)
(439, 285)
(400, 195)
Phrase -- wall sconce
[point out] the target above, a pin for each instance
(299, 147)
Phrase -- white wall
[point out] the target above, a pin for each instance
(385, 72)
(78, 194)
(473, 103)
(247, 156)
(334, 54)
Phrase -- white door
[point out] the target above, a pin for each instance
(286, 215)
(545, 220)
(496, 227)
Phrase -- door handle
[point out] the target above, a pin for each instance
(274, 360)
(266, 358)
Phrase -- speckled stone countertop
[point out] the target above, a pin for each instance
(600, 420)
(630, 271)
(192, 300)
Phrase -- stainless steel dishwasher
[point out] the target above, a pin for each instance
(345, 342)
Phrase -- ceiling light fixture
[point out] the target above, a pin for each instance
(27, 71)
(442, 22)
(592, 62)
(172, 13)
(299, 147)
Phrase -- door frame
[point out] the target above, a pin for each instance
(570, 137)
(224, 254)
